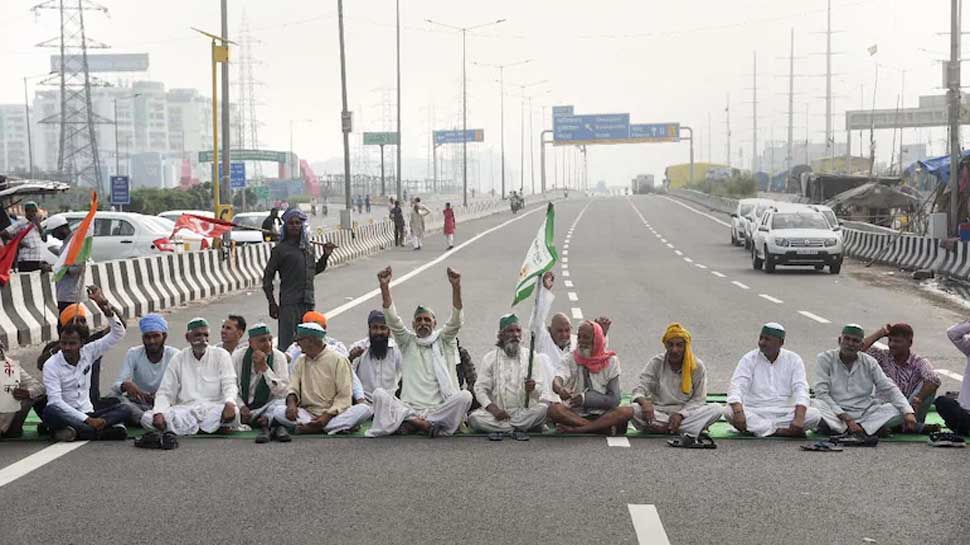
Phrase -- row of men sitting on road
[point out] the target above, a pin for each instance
(407, 381)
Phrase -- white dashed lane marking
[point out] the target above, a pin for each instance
(647, 524)
(568, 283)
(618, 442)
(740, 285)
(572, 296)
(815, 317)
(689, 260)
(577, 313)
(699, 266)
(717, 274)
(678, 252)
(565, 274)
(770, 298)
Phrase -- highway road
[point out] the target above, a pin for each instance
(643, 261)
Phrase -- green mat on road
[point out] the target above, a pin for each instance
(719, 430)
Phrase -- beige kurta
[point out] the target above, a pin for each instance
(322, 384)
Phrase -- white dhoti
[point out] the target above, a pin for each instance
(695, 420)
(521, 419)
(352, 417)
(189, 419)
(872, 419)
(267, 410)
(390, 412)
(764, 421)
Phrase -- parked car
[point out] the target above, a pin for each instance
(753, 217)
(123, 235)
(745, 207)
(248, 219)
(795, 235)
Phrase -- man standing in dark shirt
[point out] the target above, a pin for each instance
(397, 216)
(293, 259)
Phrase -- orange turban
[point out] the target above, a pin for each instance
(315, 317)
(68, 314)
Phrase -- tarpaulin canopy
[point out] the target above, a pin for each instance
(876, 195)
(937, 166)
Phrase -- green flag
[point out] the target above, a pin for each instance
(540, 257)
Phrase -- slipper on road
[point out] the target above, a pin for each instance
(703, 441)
(822, 446)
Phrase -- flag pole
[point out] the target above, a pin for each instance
(532, 335)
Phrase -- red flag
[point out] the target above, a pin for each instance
(8, 254)
(207, 227)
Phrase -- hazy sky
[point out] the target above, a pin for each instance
(659, 61)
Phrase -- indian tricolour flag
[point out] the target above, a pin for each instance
(540, 257)
(79, 248)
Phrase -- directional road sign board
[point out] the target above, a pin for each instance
(455, 137)
(120, 190)
(655, 132)
(561, 111)
(591, 129)
(247, 155)
(380, 139)
(237, 175)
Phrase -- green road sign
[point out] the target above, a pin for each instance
(247, 155)
(380, 139)
(262, 192)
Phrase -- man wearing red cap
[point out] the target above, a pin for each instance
(913, 375)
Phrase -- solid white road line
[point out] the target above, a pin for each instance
(678, 252)
(332, 313)
(770, 298)
(740, 285)
(815, 317)
(647, 525)
(955, 376)
(577, 313)
(567, 283)
(24, 466)
(698, 212)
(572, 296)
(719, 275)
(617, 442)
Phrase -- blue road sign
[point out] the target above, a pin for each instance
(454, 137)
(561, 111)
(237, 175)
(655, 132)
(120, 190)
(591, 128)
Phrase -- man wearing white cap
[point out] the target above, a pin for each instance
(847, 382)
(264, 380)
(319, 398)
(431, 401)
(197, 393)
(68, 288)
(769, 392)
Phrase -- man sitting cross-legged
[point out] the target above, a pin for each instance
(589, 386)
(197, 393)
(319, 398)
(264, 380)
(503, 387)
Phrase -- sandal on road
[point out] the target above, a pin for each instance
(855, 440)
(822, 446)
(150, 440)
(703, 441)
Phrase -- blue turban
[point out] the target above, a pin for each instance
(153, 323)
(290, 213)
(376, 317)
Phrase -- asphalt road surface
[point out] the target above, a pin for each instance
(643, 261)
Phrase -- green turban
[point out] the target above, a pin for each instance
(507, 320)
(854, 330)
(196, 323)
(773, 329)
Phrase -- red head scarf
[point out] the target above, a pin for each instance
(600, 357)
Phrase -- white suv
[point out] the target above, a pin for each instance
(795, 235)
(738, 218)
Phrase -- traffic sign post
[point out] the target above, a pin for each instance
(382, 139)
(120, 191)
(452, 137)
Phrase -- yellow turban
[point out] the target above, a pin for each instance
(677, 331)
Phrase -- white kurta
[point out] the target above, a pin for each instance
(276, 378)
(546, 345)
(377, 373)
(769, 392)
(661, 385)
(501, 380)
(574, 377)
(194, 392)
(856, 391)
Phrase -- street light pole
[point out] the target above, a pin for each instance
(225, 187)
(464, 100)
(345, 214)
(399, 137)
(501, 83)
(30, 146)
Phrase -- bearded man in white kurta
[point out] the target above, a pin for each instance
(264, 380)
(198, 391)
(508, 393)
(769, 392)
(431, 401)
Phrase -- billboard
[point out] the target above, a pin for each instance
(107, 62)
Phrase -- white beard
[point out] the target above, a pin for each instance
(512, 350)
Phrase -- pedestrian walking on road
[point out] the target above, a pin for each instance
(397, 216)
(449, 225)
(418, 212)
(271, 225)
(293, 259)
